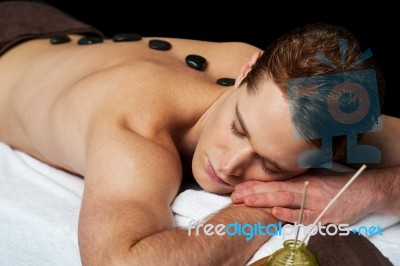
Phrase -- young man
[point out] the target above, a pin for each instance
(127, 117)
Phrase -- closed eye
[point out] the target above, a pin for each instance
(236, 132)
(264, 166)
(268, 170)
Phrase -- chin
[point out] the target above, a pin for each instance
(221, 191)
(215, 188)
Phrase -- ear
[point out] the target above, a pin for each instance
(247, 67)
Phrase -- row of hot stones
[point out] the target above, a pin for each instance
(194, 61)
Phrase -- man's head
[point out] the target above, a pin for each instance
(294, 55)
(249, 135)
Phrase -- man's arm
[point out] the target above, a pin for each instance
(375, 191)
(126, 219)
(176, 247)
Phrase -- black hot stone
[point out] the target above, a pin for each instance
(160, 45)
(196, 61)
(58, 39)
(226, 81)
(126, 37)
(89, 40)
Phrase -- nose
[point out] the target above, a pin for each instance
(233, 162)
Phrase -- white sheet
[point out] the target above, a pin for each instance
(39, 208)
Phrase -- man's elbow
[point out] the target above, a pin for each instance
(96, 248)
(104, 255)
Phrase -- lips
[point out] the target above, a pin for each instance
(214, 176)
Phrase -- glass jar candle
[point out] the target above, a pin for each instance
(291, 255)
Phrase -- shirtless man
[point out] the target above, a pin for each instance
(125, 117)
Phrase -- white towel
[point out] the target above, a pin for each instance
(39, 209)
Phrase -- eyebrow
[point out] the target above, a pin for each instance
(244, 127)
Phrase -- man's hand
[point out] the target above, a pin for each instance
(368, 194)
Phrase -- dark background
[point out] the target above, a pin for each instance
(246, 21)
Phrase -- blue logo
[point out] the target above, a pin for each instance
(338, 104)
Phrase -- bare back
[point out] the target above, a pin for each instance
(51, 95)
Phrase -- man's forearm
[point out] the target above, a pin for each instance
(387, 184)
(177, 247)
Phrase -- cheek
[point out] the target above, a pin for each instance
(255, 172)
(217, 128)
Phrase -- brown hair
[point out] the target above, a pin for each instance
(294, 56)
